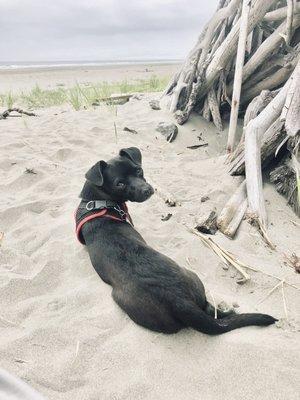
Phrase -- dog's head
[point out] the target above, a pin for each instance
(122, 177)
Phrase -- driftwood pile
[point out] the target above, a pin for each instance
(246, 63)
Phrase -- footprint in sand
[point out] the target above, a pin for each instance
(13, 212)
(22, 179)
(77, 142)
(96, 129)
(56, 304)
(64, 154)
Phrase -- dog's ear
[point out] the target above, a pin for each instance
(133, 153)
(95, 174)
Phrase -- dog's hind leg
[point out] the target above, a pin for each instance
(210, 310)
(146, 311)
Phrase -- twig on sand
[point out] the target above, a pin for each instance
(253, 220)
(20, 361)
(77, 349)
(126, 129)
(227, 257)
(280, 284)
(113, 99)
(197, 146)
(230, 259)
(284, 300)
(116, 132)
(7, 112)
(269, 293)
(8, 321)
(294, 222)
(293, 261)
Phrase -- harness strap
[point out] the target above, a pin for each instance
(86, 212)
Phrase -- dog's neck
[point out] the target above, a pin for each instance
(92, 192)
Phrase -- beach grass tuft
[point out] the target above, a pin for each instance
(81, 95)
(7, 100)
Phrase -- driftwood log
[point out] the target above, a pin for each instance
(257, 105)
(7, 113)
(291, 111)
(270, 141)
(208, 224)
(233, 211)
(253, 135)
(238, 76)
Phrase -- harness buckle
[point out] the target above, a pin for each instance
(90, 205)
(121, 212)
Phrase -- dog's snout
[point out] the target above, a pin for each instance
(148, 191)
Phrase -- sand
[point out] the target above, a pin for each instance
(51, 78)
(60, 330)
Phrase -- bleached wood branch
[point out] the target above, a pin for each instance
(271, 139)
(206, 113)
(289, 20)
(254, 176)
(291, 110)
(177, 91)
(233, 211)
(271, 82)
(280, 13)
(240, 58)
(257, 39)
(178, 82)
(219, 40)
(268, 68)
(253, 134)
(249, 43)
(214, 108)
(253, 109)
(257, 105)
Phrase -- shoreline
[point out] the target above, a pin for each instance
(9, 67)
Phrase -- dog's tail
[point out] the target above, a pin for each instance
(194, 317)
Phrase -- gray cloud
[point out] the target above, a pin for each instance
(100, 29)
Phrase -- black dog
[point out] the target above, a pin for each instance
(150, 287)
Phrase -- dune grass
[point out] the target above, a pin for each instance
(7, 100)
(80, 95)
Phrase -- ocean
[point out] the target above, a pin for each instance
(13, 65)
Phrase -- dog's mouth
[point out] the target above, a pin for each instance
(141, 195)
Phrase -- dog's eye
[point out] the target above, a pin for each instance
(121, 185)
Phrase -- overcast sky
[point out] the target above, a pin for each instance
(62, 30)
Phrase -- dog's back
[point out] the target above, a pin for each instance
(150, 287)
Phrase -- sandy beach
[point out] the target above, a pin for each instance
(60, 329)
(51, 78)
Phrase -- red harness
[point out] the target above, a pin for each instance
(89, 214)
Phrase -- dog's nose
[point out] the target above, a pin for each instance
(149, 191)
